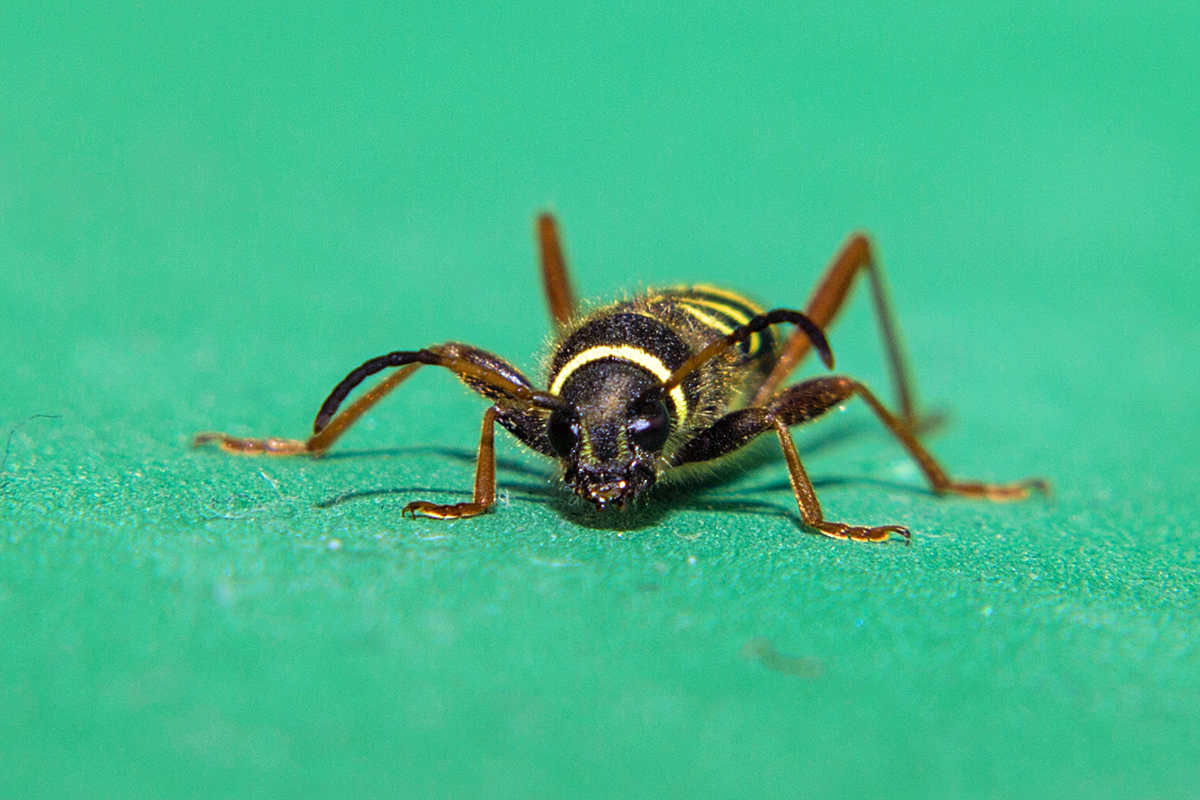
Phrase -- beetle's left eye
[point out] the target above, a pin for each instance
(562, 429)
(649, 426)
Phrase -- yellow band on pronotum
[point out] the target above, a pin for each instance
(648, 362)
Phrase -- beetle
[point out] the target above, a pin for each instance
(642, 386)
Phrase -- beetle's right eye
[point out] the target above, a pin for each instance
(562, 429)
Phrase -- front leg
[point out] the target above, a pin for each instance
(810, 507)
(485, 482)
(738, 428)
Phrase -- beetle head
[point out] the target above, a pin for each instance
(611, 436)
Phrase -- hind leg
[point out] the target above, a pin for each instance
(856, 256)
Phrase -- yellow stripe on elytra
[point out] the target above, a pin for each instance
(741, 317)
(646, 361)
(706, 318)
(732, 297)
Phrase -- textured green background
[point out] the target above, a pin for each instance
(209, 213)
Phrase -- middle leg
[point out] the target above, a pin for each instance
(812, 398)
(807, 401)
(736, 429)
(485, 481)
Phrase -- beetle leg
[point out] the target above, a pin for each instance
(318, 443)
(810, 507)
(807, 401)
(487, 374)
(485, 482)
(737, 429)
(939, 481)
(812, 398)
(823, 306)
(555, 280)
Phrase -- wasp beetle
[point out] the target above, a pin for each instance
(642, 386)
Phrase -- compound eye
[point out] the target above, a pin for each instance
(562, 429)
(649, 426)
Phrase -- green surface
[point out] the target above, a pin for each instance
(210, 213)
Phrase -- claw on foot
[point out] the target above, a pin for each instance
(859, 533)
(251, 447)
(421, 508)
(999, 492)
